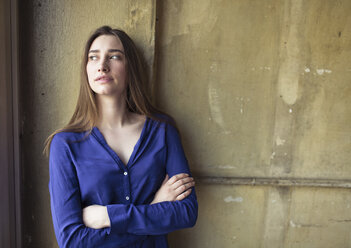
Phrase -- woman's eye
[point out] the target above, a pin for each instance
(92, 57)
(115, 57)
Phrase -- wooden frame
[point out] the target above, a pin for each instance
(10, 190)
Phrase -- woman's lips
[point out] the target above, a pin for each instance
(103, 79)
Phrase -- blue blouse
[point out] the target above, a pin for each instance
(84, 171)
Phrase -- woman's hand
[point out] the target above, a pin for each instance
(175, 189)
(96, 216)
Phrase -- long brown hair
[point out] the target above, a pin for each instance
(85, 115)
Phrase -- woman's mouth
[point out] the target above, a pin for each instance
(103, 79)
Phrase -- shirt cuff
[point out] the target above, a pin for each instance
(118, 218)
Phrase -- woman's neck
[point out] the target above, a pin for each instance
(113, 112)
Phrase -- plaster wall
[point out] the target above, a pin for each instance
(260, 91)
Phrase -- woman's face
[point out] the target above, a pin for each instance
(107, 66)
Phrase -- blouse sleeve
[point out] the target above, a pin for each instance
(163, 217)
(66, 206)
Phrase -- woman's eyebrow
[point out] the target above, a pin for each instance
(110, 51)
(115, 50)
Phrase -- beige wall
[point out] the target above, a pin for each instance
(261, 92)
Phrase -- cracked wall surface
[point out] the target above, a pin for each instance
(260, 90)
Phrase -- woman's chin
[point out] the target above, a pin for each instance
(108, 93)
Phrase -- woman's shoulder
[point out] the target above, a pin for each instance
(165, 123)
(163, 119)
(69, 136)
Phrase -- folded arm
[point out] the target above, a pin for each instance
(66, 206)
(174, 206)
(175, 189)
(128, 223)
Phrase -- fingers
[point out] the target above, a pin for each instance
(177, 177)
(184, 187)
(181, 182)
(183, 195)
(178, 187)
(165, 180)
(181, 185)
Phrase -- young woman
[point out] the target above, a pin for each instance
(118, 173)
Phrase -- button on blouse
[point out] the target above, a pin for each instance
(84, 171)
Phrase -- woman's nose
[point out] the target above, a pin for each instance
(103, 67)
